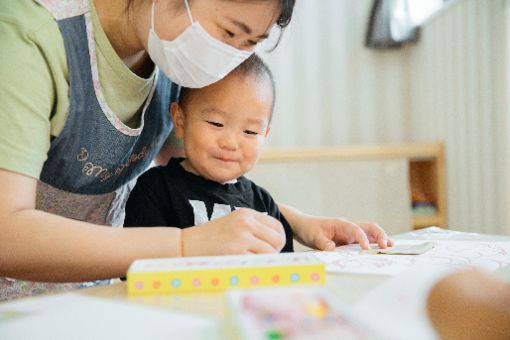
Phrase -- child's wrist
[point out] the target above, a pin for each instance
(187, 242)
(183, 242)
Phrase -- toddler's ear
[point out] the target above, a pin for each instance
(178, 119)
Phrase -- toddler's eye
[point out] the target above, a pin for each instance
(214, 123)
(248, 132)
(230, 33)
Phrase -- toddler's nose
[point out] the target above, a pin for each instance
(228, 141)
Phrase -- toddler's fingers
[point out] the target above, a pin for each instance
(361, 238)
(382, 240)
(376, 234)
(258, 246)
(275, 237)
(269, 221)
(324, 243)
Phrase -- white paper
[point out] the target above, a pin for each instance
(76, 317)
(223, 261)
(489, 256)
(397, 308)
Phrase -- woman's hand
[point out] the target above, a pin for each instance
(325, 233)
(243, 231)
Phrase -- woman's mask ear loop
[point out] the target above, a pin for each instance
(152, 17)
(189, 11)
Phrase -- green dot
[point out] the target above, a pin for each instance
(273, 334)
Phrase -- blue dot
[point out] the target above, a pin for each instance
(176, 283)
(234, 280)
(294, 277)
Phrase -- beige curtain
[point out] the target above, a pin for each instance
(450, 86)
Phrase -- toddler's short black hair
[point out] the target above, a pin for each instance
(254, 67)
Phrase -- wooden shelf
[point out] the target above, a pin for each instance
(427, 221)
(426, 169)
(410, 151)
(427, 177)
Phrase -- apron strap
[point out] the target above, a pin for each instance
(65, 9)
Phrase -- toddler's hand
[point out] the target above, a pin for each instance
(326, 233)
(241, 232)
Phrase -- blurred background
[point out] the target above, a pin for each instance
(363, 72)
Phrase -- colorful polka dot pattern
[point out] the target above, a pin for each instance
(216, 280)
(233, 281)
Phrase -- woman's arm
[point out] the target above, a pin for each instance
(36, 245)
(39, 246)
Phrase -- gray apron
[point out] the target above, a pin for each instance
(95, 160)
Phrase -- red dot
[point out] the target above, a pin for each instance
(315, 276)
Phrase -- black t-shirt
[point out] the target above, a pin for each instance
(171, 196)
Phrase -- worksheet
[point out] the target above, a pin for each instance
(489, 256)
(397, 307)
(76, 317)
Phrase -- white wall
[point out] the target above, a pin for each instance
(451, 86)
(330, 89)
(354, 189)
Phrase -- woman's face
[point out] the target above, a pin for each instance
(241, 24)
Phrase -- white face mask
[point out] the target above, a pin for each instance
(193, 59)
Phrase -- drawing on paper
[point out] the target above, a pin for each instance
(454, 254)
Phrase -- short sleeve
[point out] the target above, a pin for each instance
(144, 207)
(26, 101)
(272, 209)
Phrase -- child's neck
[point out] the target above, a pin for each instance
(186, 166)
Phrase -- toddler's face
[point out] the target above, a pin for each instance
(224, 127)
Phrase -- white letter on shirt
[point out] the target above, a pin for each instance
(200, 211)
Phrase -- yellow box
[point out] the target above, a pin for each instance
(218, 273)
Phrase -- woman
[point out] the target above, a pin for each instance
(84, 112)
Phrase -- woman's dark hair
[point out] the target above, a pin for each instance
(287, 7)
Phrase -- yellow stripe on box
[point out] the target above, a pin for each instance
(144, 282)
